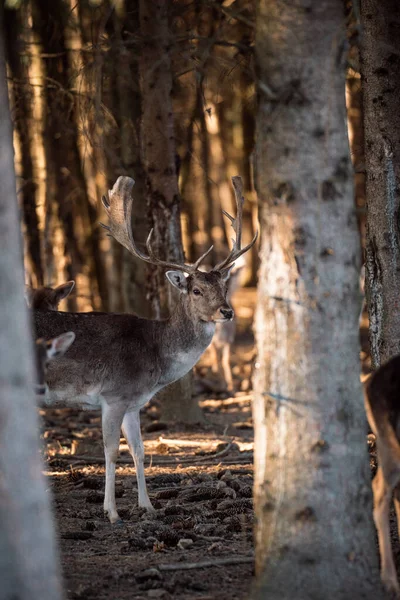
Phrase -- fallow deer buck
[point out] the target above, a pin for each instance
(381, 395)
(119, 361)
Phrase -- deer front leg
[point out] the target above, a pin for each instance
(131, 431)
(112, 416)
(382, 497)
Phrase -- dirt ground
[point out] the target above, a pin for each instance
(200, 481)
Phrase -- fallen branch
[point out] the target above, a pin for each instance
(225, 461)
(204, 564)
(155, 461)
(184, 443)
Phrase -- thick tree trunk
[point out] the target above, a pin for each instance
(28, 560)
(381, 90)
(162, 193)
(314, 534)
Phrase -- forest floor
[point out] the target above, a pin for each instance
(200, 481)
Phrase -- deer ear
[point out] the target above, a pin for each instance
(226, 273)
(59, 345)
(63, 290)
(178, 280)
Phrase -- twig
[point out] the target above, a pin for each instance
(220, 454)
(203, 564)
(173, 442)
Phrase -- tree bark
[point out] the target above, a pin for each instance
(314, 533)
(28, 559)
(162, 193)
(380, 55)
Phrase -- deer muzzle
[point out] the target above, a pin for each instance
(223, 315)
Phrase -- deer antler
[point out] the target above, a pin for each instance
(119, 209)
(236, 223)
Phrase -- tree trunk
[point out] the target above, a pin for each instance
(66, 183)
(315, 535)
(23, 124)
(28, 560)
(380, 55)
(134, 270)
(162, 193)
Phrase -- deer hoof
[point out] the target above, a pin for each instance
(113, 518)
(148, 507)
(119, 523)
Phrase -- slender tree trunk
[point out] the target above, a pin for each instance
(23, 125)
(314, 533)
(67, 184)
(162, 193)
(134, 270)
(62, 157)
(28, 560)
(380, 55)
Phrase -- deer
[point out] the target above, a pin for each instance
(118, 362)
(47, 298)
(225, 334)
(381, 397)
(44, 352)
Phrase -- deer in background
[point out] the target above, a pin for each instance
(225, 333)
(382, 403)
(119, 361)
(44, 352)
(47, 298)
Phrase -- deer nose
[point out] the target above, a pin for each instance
(227, 313)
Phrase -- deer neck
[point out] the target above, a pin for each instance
(186, 330)
(184, 339)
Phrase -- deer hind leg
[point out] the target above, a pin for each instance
(111, 421)
(132, 434)
(382, 497)
(214, 358)
(226, 366)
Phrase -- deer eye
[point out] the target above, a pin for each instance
(196, 292)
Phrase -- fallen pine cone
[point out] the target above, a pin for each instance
(167, 494)
(165, 479)
(204, 493)
(238, 506)
(137, 543)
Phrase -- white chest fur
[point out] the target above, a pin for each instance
(181, 361)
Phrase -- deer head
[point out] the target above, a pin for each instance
(47, 298)
(204, 294)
